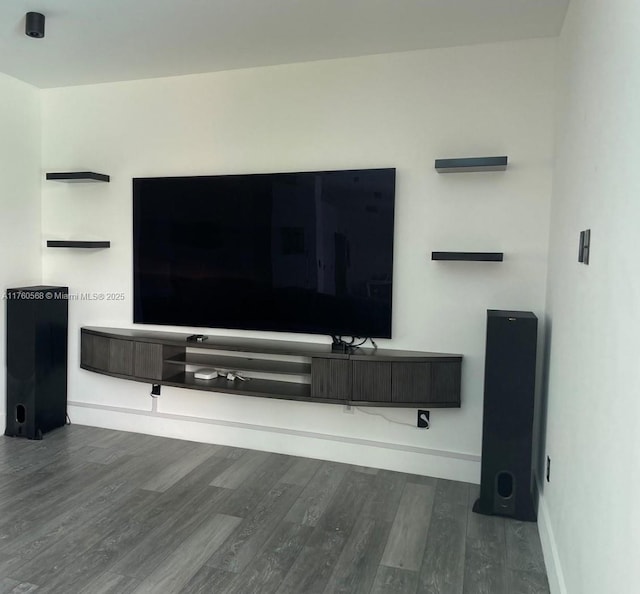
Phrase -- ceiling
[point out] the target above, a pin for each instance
(91, 41)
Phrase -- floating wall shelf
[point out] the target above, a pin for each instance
(468, 256)
(78, 177)
(471, 164)
(364, 377)
(79, 244)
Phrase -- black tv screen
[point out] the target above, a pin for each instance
(304, 252)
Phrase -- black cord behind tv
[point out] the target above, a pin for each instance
(304, 252)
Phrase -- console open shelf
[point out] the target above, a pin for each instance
(362, 377)
(253, 387)
(227, 363)
(78, 177)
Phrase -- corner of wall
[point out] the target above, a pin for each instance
(550, 550)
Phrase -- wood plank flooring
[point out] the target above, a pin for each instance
(94, 511)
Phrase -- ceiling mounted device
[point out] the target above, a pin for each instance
(34, 25)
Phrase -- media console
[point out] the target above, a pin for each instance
(362, 377)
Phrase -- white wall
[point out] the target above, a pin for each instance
(20, 239)
(400, 110)
(590, 514)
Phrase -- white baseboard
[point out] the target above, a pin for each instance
(364, 452)
(550, 550)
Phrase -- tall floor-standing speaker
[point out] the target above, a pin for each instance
(507, 480)
(36, 360)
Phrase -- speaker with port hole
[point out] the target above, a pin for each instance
(36, 360)
(507, 483)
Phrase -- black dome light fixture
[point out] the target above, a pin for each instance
(34, 25)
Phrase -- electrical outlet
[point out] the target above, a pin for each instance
(423, 419)
(548, 469)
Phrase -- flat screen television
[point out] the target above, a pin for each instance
(304, 252)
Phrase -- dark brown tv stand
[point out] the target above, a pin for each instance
(363, 377)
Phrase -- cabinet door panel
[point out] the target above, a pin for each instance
(94, 351)
(148, 360)
(411, 382)
(445, 382)
(330, 378)
(121, 356)
(372, 381)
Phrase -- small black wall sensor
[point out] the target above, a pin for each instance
(584, 247)
(34, 25)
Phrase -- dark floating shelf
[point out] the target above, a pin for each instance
(468, 256)
(471, 164)
(79, 244)
(78, 177)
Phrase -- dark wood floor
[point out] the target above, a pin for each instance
(94, 511)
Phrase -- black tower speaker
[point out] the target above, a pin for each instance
(36, 360)
(507, 480)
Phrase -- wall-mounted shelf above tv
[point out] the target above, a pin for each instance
(471, 164)
(79, 244)
(78, 177)
(468, 256)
